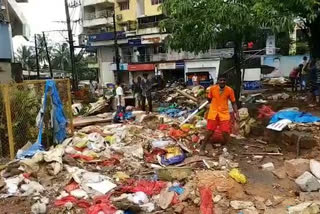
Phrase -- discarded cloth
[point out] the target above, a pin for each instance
(58, 117)
(294, 116)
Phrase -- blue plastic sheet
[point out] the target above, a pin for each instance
(179, 190)
(59, 120)
(294, 116)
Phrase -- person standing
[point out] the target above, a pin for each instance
(294, 74)
(219, 115)
(119, 95)
(195, 80)
(137, 92)
(146, 86)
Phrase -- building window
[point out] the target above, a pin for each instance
(153, 2)
(124, 5)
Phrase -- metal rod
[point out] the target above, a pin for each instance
(71, 46)
(37, 56)
(48, 56)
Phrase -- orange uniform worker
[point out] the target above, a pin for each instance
(219, 115)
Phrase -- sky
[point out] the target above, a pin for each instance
(41, 16)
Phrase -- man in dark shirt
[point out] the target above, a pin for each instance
(146, 86)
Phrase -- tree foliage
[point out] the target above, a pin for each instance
(280, 15)
(26, 56)
(197, 26)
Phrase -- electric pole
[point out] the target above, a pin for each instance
(71, 45)
(116, 48)
(48, 56)
(37, 55)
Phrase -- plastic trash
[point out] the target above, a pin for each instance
(206, 206)
(72, 186)
(163, 127)
(238, 176)
(100, 205)
(71, 199)
(161, 143)
(265, 112)
(176, 133)
(138, 198)
(148, 187)
(179, 190)
(294, 116)
(174, 155)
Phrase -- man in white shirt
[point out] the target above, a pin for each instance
(119, 95)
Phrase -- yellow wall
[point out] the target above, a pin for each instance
(127, 15)
(151, 10)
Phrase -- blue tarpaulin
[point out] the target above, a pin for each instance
(294, 116)
(58, 118)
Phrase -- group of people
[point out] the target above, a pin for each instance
(141, 89)
(307, 76)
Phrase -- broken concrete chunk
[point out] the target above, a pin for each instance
(260, 205)
(307, 182)
(296, 167)
(217, 198)
(306, 207)
(239, 205)
(309, 196)
(280, 173)
(268, 166)
(315, 168)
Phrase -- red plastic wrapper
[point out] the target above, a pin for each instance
(72, 186)
(82, 157)
(110, 162)
(175, 199)
(73, 200)
(164, 127)
(148, 187)
(176, 133)
(102, 204)
(265, 112)
(206, 206)
(152, 156)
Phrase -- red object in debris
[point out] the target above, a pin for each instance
(206, 206)
(102, 204)
(72, 186)
(152, 156)
(163, 127)
(73, 200)
(82, 157)
(195, 139)
(265, 112)
(148, 187)
(175, 199)
(26, 175)
(110, 162)
(176, 133)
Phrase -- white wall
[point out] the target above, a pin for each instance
(105, 59)
(211, 66)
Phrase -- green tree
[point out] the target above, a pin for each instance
(198, 25)
(281, 15)
(61, 57)
(26, 56)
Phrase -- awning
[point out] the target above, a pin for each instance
(17, 20)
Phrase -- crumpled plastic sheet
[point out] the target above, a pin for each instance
(265, 112)
(174, 155)
(294, 116)
(102, 204)
(176, 133)
(206, 206)
(59, 120)
(80, 203)
(148, 187)
(152, 156)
